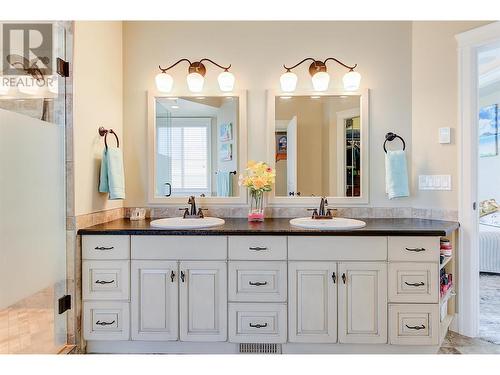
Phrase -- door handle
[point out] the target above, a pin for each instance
(418, 328)
(104, 323)
(172, 275)
(415, 284)
(183, 276)
(344, 278)
(102, 282)
(334, 277)
(257, 283)
(258, 325)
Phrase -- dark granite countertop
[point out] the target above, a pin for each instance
(281, 226)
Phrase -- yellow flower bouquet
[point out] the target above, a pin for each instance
(258, 179)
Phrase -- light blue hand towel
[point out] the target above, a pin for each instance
(396, 174)
(112, 177)
(224, 184)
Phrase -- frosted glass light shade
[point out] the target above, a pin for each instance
(288, 82)
(226, 81)
(164, 82)
(195, 82)
(351, 81)
(320, 81)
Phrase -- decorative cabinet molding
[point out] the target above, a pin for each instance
(155, 300)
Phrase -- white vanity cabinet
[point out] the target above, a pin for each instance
(298, 293)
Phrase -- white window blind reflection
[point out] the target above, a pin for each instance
(183, 146)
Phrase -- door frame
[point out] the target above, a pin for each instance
(469, 43)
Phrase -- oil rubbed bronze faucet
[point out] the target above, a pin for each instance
(323, 212)
(191, 212)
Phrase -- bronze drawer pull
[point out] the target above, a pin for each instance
(104, 248)
(418, 328)
(104, 323)
(415, 249)
(415, 284)
(258, 248)
(257, 283)
(258, 325)
(102, 282)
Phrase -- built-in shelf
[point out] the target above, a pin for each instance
(446, 260)
(444, 325)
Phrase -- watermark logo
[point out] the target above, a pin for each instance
(27, 49)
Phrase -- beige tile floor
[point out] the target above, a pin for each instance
(458, 344)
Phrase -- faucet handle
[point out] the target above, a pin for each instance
(315, 212)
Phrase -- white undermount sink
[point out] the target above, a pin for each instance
(337, 223)
(181, 223)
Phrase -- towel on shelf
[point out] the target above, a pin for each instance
(396, 174)
(112, 176)
(224, 184)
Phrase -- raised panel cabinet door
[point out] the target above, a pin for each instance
(363, 302)
(203, 300)
(155, 302)
(312, 302)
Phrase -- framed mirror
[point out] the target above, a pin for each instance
(197, 146)
(319, 147)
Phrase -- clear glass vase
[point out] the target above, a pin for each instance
(256, 211)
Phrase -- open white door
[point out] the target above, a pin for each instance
(291, 157)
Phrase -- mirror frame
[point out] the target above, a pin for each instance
(242, 198)
(364, 109)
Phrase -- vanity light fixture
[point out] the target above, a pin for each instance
(196, 77)
(319, 76)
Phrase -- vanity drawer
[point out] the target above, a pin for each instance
(255, 281)
(420, 249)
(257, 322)
(414, 324)
(106, 279)
(337, 248)
(257, 247)
(179, 247)
(106, 320)
(413, 282)
(105, 247)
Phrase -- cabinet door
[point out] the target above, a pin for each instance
(312, 302)
(363, 302)
(203, 301)
(154, 300)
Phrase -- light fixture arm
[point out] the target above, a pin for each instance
(220, 66)
(340, 62)
(171, 66)
(318, 65)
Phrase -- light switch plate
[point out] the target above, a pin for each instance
(444, 135)
(434, 182)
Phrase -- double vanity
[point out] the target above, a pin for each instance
(266, 287)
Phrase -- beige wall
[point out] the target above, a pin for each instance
(434, 105)
(98, 98)
(257, 51)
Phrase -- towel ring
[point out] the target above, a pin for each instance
(391, 137)
(104, 133)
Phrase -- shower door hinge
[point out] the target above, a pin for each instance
(62, 67)
(474, 206)
(64, 303)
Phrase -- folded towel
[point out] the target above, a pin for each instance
(112, 176)
(224, 184)
(396, 174)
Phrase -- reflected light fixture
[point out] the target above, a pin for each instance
(196, 77)
(319, 76)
